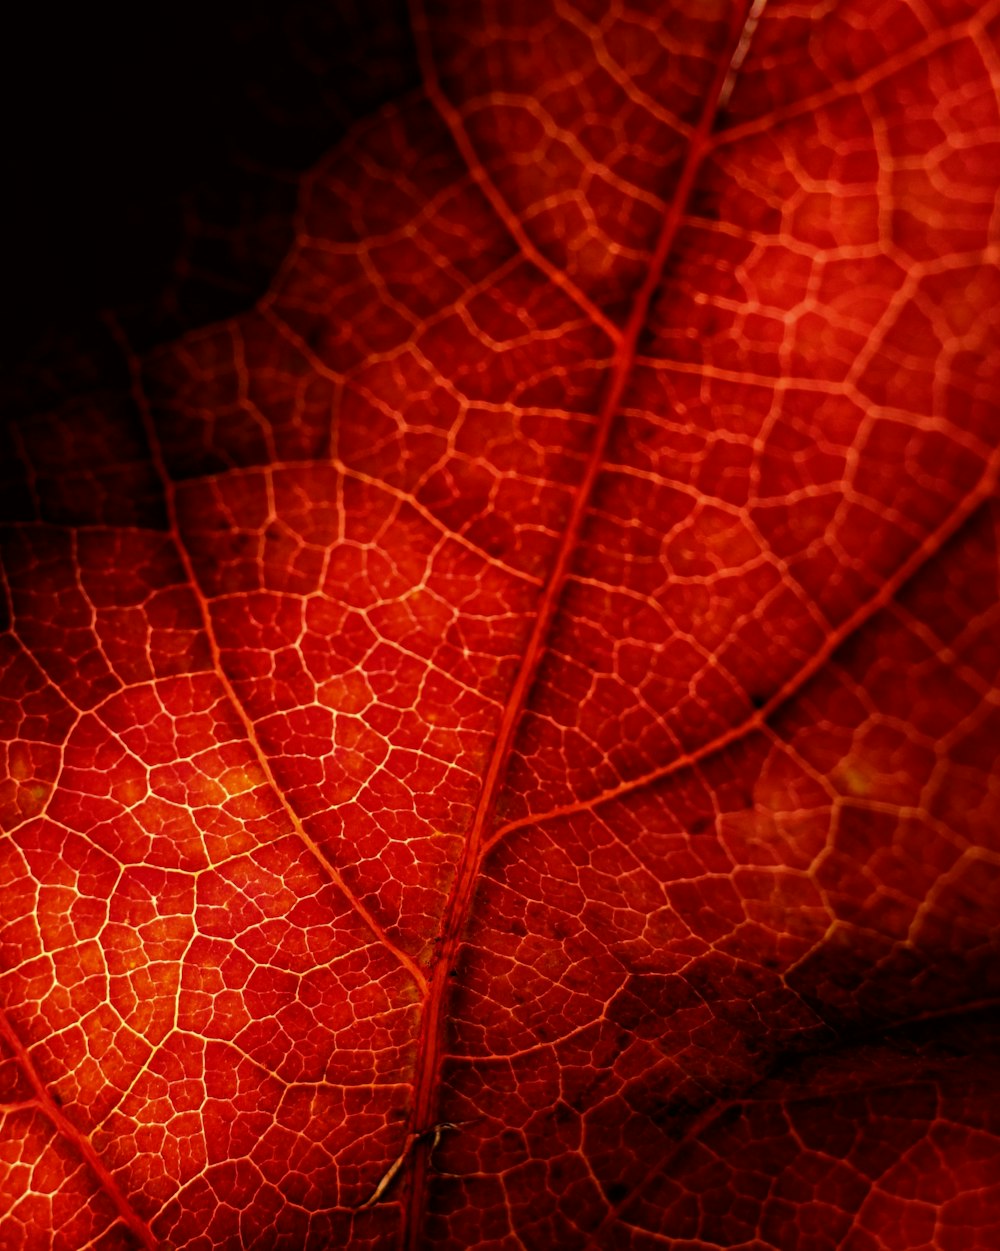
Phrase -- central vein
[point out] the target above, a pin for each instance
(430, 1052)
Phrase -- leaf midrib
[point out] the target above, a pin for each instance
(430, 1051)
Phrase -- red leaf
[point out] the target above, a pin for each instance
(502, 736)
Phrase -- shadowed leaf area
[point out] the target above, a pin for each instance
(498, 681)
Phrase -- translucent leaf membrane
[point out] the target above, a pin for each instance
(500, 737)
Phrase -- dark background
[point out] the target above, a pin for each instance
(153, 154)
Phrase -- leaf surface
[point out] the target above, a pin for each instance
(501, 736)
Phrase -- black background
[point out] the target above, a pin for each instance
(153, 151)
